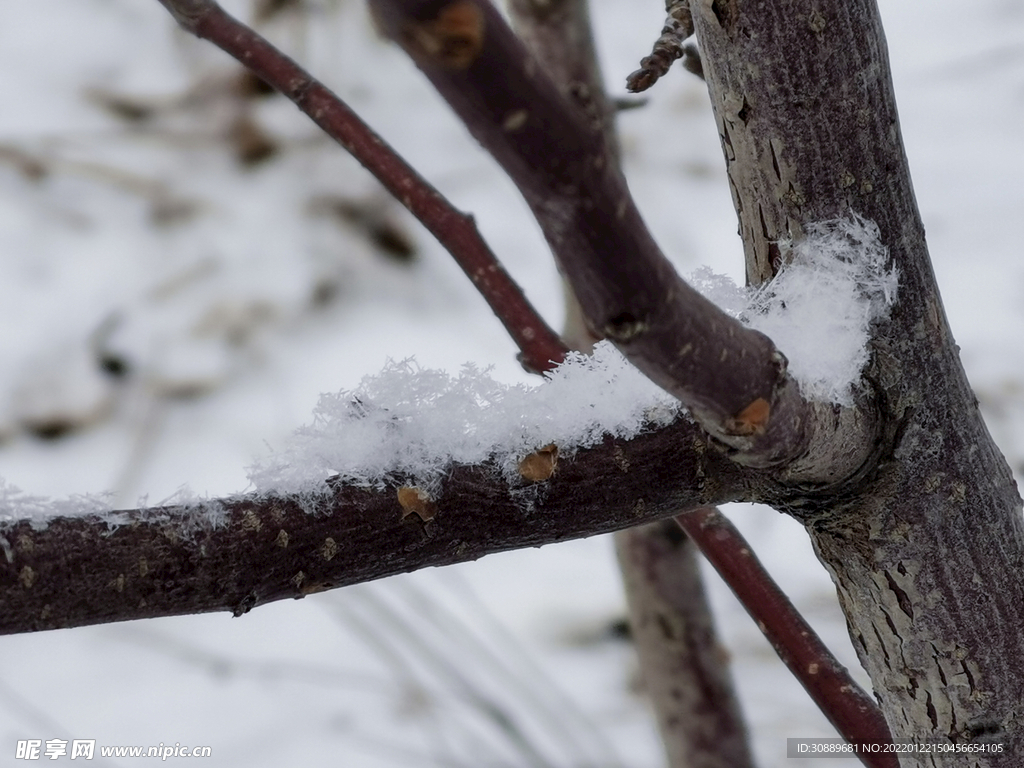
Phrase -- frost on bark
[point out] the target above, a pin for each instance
(927, 552)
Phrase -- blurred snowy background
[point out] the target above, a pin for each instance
(185, 265)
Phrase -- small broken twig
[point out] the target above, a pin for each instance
(666, 49)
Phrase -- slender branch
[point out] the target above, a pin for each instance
(453, 229)
(732, 378)
(239, 553)
(847, 706)
(559, 34)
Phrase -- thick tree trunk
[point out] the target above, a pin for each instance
(927, 554)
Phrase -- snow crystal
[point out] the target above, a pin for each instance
(190, 512)
(819, 307)
(412, 423)
(16, 505)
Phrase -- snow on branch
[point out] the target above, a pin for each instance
(80, 570)
(412, 423)
(833, 284)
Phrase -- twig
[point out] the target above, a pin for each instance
(453, 229)
(666, 49)
(847, 706)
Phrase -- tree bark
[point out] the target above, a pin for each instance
(927, 554)
(236, 554)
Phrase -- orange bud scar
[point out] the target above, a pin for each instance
(454, 38)
(416, 501)
(752, 420)
(539, 465)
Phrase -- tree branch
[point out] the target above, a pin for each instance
(453, 229)
(239, 553)
(732, 378)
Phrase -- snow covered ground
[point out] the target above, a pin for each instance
(219, 260)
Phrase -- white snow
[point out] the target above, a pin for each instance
(18, 505)
(412, 422)
(834, 283)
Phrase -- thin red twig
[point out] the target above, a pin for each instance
(540, 345)
(847, 706)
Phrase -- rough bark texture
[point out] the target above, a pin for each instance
(170, 561)
(685, 670)
(927, 555)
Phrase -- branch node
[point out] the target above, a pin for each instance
(625, 327)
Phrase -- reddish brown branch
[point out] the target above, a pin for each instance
(454, 230)
(847, 706)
